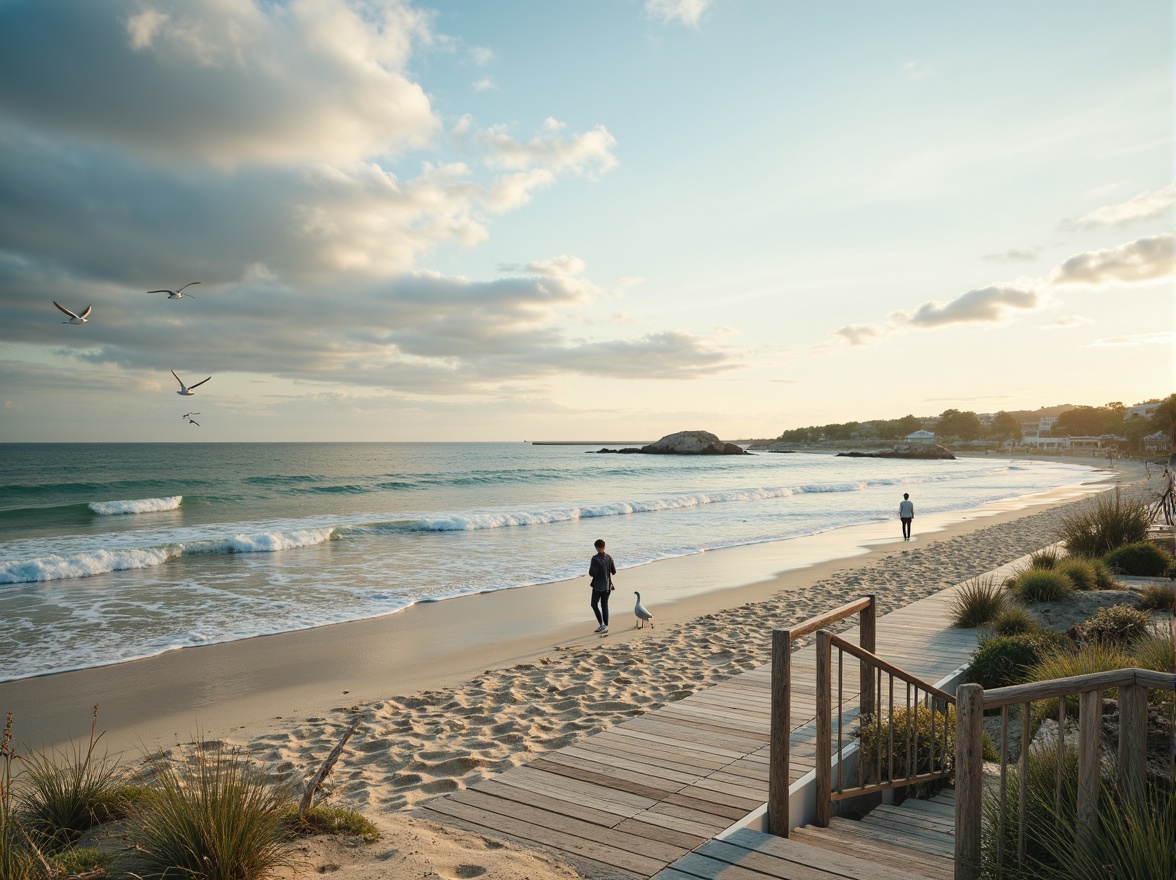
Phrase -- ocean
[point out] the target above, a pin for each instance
(110, 552)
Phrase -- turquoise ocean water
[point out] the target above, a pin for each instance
(110, 552)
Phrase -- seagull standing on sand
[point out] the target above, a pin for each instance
(186, 390)
(642, 612)
(75, 319)
(174, 294)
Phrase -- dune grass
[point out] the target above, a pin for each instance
(213, 815)
(16, 860)
(1014, 620)
(978, 601)
(1040, 585)
(333, 820)
(1110, 525)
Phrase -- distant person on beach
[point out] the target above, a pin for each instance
(601, 569)
(906, 512)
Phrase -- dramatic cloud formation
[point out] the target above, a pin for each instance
(1138, 262)
(685, 11)
(1144, 261)
(1145, 206)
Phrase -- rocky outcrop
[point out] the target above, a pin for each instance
(905, 450)
(686, 443)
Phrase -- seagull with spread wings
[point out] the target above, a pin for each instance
(188, 390)
(75, 319)
(174, 294)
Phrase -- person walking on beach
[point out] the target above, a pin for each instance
(906, 512)
(601, 569)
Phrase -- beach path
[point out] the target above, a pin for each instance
(636, 798)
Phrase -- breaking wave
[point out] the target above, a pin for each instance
(142, 505)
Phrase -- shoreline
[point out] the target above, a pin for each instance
(235, 687)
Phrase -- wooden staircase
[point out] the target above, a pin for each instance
(913, 841)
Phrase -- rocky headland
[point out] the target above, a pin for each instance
(905, 450)
(684, 443)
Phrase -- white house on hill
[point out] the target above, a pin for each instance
(920, 437)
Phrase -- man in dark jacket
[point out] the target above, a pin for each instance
(601, 569)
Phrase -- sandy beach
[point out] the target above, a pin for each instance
(449, 693)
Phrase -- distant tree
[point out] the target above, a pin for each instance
(1163, 418)
(964, 425)
(1005, 427)
(841, 432)
(1088, 421)
(800, 435)
(896, 429)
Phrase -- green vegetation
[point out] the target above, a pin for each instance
(1158, 597)
(69, 792)
(1118, 626)
(16, 861)
(1081, 572)
(1014, 620)
(914, 733)
(1156, 651)
(1039, 585)
(1006, 660)
(1139, 559)
(81, 860)
(333, 820)
(213, 815)
(1103, 579)
(1109, 526)
(978, 601)
(1046, 558)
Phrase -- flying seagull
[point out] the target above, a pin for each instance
(174, 294)
(75, 319)
(642, 612)
(189, 415)
(186, 390)
(193, 422)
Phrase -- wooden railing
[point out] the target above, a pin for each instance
(879, 725)
(971, 702)
(781, 729)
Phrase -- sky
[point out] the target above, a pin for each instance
(533, 220)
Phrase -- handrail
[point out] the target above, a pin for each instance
(972, 700)
(825, 793)
(781, 728)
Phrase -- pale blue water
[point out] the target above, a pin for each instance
(115, 551)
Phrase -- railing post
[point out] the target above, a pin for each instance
(1089, 735)
(969, 761)
(780, 758)
(868, 638)
(1132, 739)
(824, 744)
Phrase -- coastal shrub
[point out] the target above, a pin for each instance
(68, 791)
(978, 601)
(16, 861)
(1155, 650)
(1158, 597)
(1006, 660)
(1110, 525)
(213, 815)
(1080, 572)
(1139, 559)
(333, 820)
(1087, 658)
(1040, 585)
(1118, 626)
(1134, 836)
(82, 860)
(1047, 558)
(916, 734)
(1103, 578)
(1038, 860)
(1013, 621)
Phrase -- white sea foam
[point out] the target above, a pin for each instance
(87, 564)
(141, 505)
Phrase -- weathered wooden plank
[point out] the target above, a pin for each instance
(605, 776)
(891, 854)
(762, 862)
(588, 849)
(842, 864)
(576, 809)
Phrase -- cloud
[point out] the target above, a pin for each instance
(590, 152)
(484, 85)
(1138, 262)
(1144, 206)
(982, 305)
(481, 55)
(1134, 340)
(1143, 261)
(1065, 322)
(1014, 255)
(219, 83)
(687, 12)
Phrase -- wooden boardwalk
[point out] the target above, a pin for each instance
(913, 841)
(633, 799)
